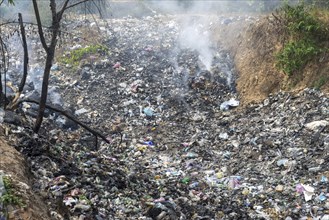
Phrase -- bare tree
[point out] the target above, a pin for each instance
(49, 43)
(57, 8)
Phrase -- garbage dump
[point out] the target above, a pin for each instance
(180, 145)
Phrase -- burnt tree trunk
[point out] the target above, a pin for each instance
(13, 103)
(26, 54)
(3, 70)
(2, 100)
(44, 90)
(50, 51)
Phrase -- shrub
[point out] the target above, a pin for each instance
(306, 35)
(295, 55)
(10, 197)
(75, 56)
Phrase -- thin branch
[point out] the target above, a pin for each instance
(60, 13)
(43, 26)
(98, 7)
(89, 10)
(40, 30)
(8, 22)
(15, 22)
(26, 54)
(75, 4)
(66, 114)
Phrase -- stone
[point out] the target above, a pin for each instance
(316, 124)
(279, 188)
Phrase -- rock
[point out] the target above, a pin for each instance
(316, 124)
(279, 188)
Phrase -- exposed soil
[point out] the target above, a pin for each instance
(253, 46)
(13, 164)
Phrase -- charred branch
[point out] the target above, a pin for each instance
(69, 116)
(60, 13)
(75, 4)
(1, 89)
(40, 30)
(3, 70)
(26, 54)
(14, 103)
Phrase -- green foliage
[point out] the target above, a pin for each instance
(10, 197)
(295, 55)
(83, 197)
(301, 23)
(306, 35)
(7, 183)
(77, 55)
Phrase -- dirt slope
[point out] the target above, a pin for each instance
(13, 164)
(253, 45)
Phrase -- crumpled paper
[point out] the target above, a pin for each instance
(307, 190)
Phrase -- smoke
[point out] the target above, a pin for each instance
(187, 7)
(10, 12)
(194, 33)
(194, 36)
(196, 20)
(54, 97)
(35, 78)
(213, 6)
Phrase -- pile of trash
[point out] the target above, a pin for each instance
(180, 146)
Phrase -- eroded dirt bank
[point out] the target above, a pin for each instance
(13, 165)
(253, 46)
